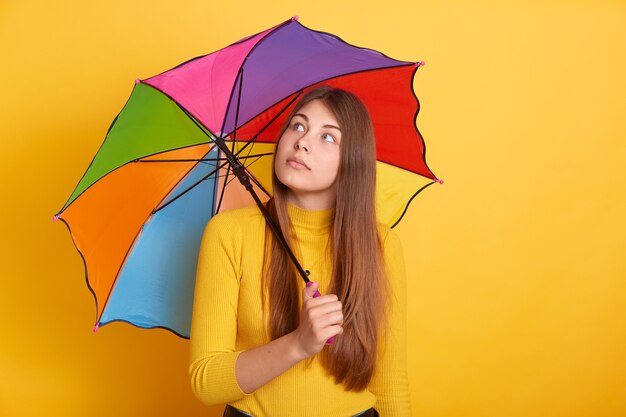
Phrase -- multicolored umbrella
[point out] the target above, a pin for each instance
(138, 213)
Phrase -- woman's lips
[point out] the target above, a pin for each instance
(296, 163)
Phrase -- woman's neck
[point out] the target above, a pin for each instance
(310, 201)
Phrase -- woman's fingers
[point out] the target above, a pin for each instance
(326, 320)
(323, 306)
(328, 310)
(329, 332)
(321, 318)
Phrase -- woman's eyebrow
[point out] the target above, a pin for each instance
(307, 119)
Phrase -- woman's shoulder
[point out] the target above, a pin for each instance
(389, 239)
(384, 231)
(242, 218)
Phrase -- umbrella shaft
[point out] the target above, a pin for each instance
(241, 174)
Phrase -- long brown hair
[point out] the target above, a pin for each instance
(358, 271)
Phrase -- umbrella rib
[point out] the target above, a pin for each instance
(207, 176)
(150, 327)
(232, 150)
(251, 176)
(408, 203)
(201, 159)
(253, 140)
(419, 134)
(263, 39)
(277, 115)
(232, 146)
(255, 137)
(226, 182)
(152, 213)
(131, 161)
(190, 187)
(256, 182)
(240, 76)
(91, 290)
(296, 96)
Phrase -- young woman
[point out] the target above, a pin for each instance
(259, 336)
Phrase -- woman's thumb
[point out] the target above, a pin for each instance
(310, 289)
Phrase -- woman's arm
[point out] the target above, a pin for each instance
(214, 320)
(256, 367)
(219, 374)
(390, 381)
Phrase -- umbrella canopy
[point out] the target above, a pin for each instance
(138, 213)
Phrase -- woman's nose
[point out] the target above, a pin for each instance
(303, 143)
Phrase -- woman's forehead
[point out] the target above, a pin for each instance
(318, 112)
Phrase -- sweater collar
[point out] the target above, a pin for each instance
(313, 221)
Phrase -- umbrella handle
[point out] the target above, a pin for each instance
(332, 339)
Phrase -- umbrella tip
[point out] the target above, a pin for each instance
(439, 181)
(55, 217)
(295, 18)
(421, 64)
(137, 81)
(95, 329)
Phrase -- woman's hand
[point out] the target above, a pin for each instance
(320, 319)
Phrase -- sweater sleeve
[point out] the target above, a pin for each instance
(214, 320)
(390, 382)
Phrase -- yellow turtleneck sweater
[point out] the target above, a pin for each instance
(227, 319)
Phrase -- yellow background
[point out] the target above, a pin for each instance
(517, 263)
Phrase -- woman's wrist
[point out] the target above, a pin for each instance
(295, 350)
(258, 366)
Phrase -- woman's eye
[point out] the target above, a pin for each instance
(328, 137)
(299, 127)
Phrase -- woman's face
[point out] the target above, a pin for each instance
(307, 156)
